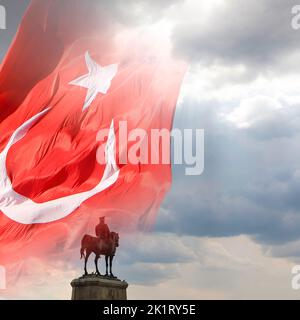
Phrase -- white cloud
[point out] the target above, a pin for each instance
(254, 110)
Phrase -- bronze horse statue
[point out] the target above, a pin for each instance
(99, 247)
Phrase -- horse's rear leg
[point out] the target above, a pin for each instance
(106, 264)
(96, 264)
(110, 266)
(85, 261)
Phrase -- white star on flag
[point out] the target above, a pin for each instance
(98, 80)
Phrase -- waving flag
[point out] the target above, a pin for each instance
(70, 73)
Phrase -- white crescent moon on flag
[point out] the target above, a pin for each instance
(23, 210)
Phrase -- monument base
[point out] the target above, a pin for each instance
(94, 287)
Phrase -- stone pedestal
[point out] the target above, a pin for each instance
(92, 287)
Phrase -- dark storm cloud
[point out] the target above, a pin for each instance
(250, 185)
(149, 258)
(161, 249)
(252, 33)
(257, 34)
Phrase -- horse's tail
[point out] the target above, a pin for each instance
(82, 253)
(83, 246)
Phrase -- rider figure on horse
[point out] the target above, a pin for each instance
(102, 230)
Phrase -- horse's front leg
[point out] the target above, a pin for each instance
(96, 264)
(85, 262)
(110, 266)
(106, 264)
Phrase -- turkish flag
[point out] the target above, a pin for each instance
(70, 73)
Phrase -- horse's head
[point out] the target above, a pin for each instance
(115, 238)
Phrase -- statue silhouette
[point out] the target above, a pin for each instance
(105, 243)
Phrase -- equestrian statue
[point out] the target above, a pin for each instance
(105, 243)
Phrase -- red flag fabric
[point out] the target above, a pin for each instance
(70, 73)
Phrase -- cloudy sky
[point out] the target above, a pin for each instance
(234, 231)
